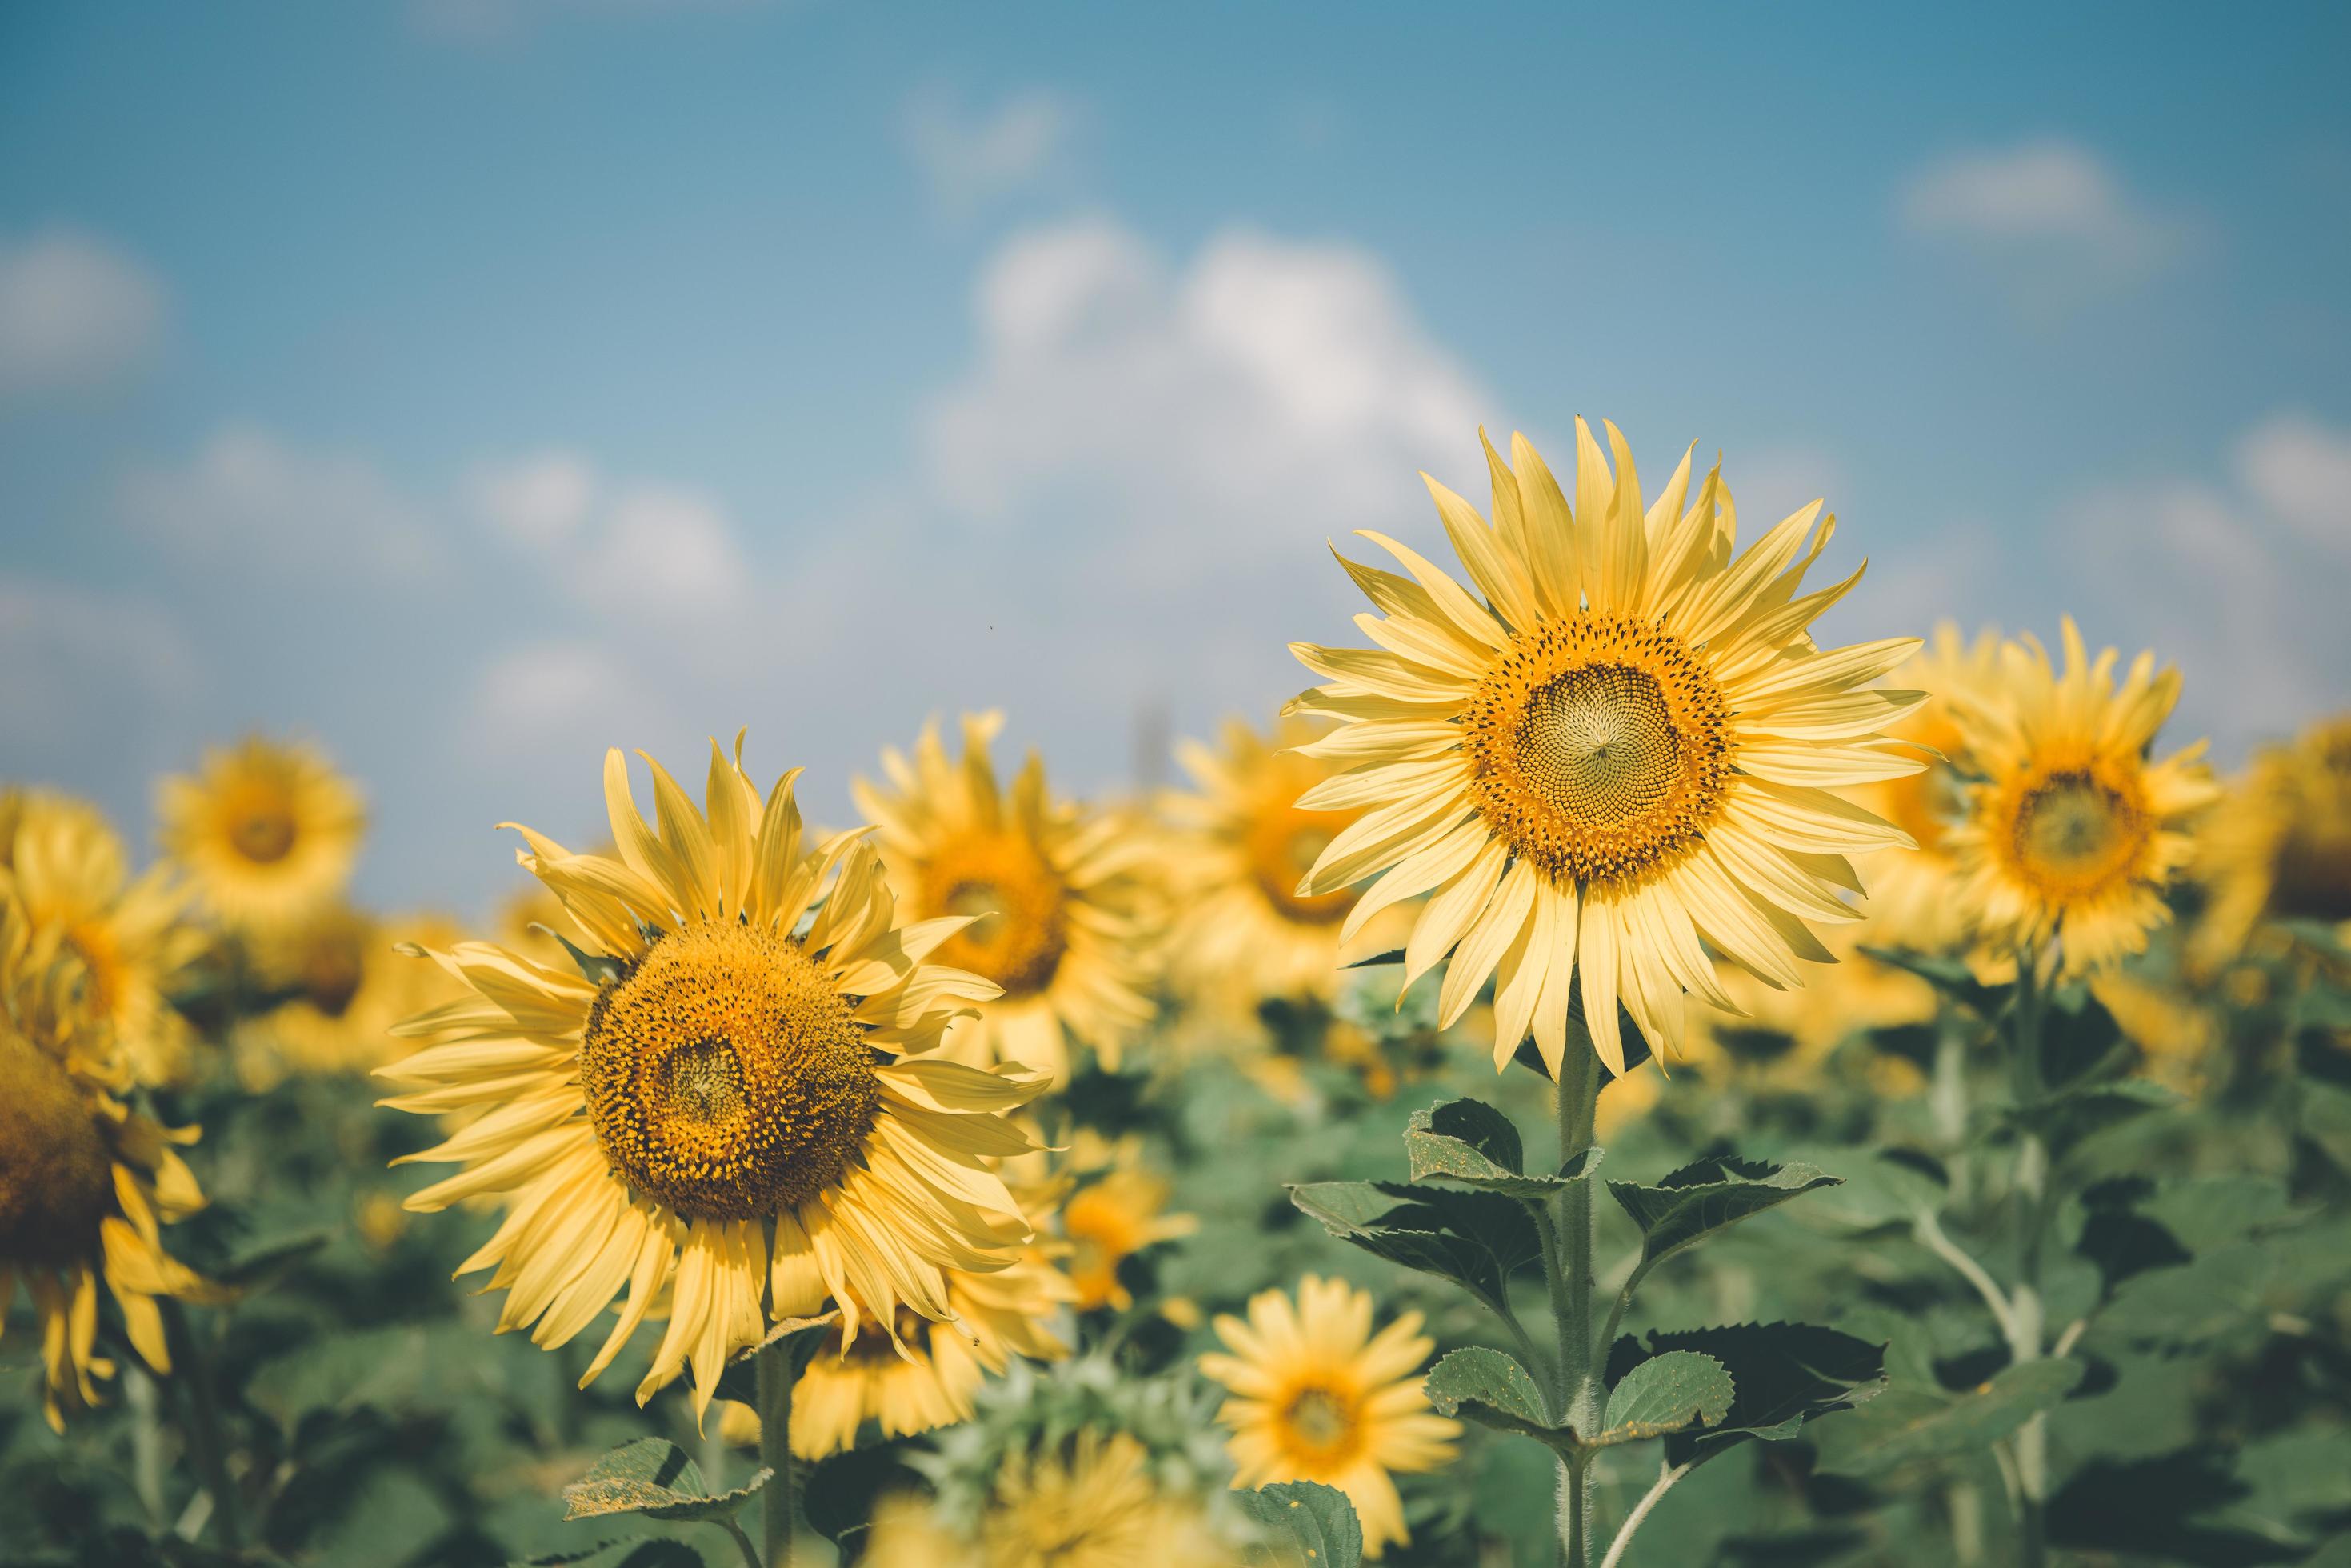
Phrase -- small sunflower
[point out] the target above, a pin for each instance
(2281, 848)
(1242, 847)
(346, 981)
(1317, 1396)
(267, 833)
(2071, 832)
(1112, 1218)
(732, 1105)
(71, 877)
(1092, 1502)
(1622, 753)
(1058, 906)
(86, 1183)
(924, 1377)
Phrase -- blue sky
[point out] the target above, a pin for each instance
(472, 384)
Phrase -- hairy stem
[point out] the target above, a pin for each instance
(779, 1499)
(1666, 1476)
(207, 1441)
(1577, 1396)
(2026, 1313)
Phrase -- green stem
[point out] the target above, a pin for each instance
(207, 1441)
(743, 1544)
(2026, 1312)
(776, 1452)
(1577, 1396)
(146, 1442)
(1948, 1102)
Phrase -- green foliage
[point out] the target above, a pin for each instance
(1911, 1425)
(1781, 1376)
(1667, 1393)
(1706, 1195)
(1469, 1142)
(1492, 1389)
(1478, 1240)
(1305, 1525)
(654, 1477)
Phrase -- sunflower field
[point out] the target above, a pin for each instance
(1600, 1077)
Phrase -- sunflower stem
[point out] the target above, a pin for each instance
(207, 1441)
(776, 1373)
(2032, 1199)
(1577, 1398)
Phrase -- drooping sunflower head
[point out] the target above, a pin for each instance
(1318, 1397)
(2280, 848)
(71, 877)
(86, 1183)
(2070, 830)
(1241, 848)
(266, 831)
(1059, 912)
(726, 1098)
(1618, 750)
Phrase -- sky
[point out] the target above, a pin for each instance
(469, 385)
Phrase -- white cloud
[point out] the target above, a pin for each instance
(2302, 472)
(659, 555)
(970, 157)
(541, 500)
(251, 501)
(2235, 586)
(554, 697)
(74, 314)
(2050, 216)
(84, 669)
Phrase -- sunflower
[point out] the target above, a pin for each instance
(1317, 1396)
(2071, 832)
(2282, 847)
(724, 1108)
(924, 1377)
(1784, 1039)
(1246, 934)
(1911, 891)
(1622, 752)
(1112, 1218)
(86, 1183)
(267, 833)
(1062, 926)
(1090, 1503)
(346, 983)
(71, 877)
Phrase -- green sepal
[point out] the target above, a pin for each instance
(654, 1476)
(597, 969)
(1305, 1525)
(1915, 1425)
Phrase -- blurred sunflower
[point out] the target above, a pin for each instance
(1627, 746)
(86, 1183)
(1784, 1038)
(1090, 1503)
(1317, 1396)
(1056, 906)
(347, 983)
(2071, 832)
(1242, 847)
(266, 831)
(1112, 1218)
(71, 877)
(1912, 892)
(723, 1109)
(2281, 847)
(924, 1375)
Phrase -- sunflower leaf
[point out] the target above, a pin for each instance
(1305, 1525)
(1915, 1425)
(1708, 1196)
(1783, 1376)
(1492, 1389)
(1666, 1394)
(655, 1478)
(1476, 1240)
(1469, 1142)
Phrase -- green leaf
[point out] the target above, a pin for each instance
(2194, 1303)
(1708, 1194)
(802, 1336)
(1476, 1240)
(1393, 956)
(1306, 1525)
(2165, 1507)
(654, 1477)
(654, 1554)
(260, 1265)
(2073, 1116)
(1469, 1142)
(1950, 977)
(1783, 1376)
(1915, 1425)
(1492, 1389)
(1665, 1394)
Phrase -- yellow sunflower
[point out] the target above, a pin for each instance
(1093, 1503)
(1783, 1038)
(267, 833)
(349, 983)
(1242, 845)
(86, 1183)
(1112, 1218)
(734, 1113)
(71, 877)
(1621, 749)
(2071, 832)
(1912, 892)
(1062, 924)
(924, 1376)
(2281, 848)
(1317, 1396)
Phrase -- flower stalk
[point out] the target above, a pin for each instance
(780, 1496)
(1577, 1396)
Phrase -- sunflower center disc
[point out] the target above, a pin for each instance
(57, 1181)
(2075, 833)
(265, 836)
(724, 1076)
(1283, 844)
(1598, 744)
(1022, 931)
(1320, 1421)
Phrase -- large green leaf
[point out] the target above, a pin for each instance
(1666, 1394)
(1476, 1240)
(654, 1477)
(800, 1337)
(2177, 1507)
(1915, 1425)
(1491, 1388)
(1706, 1195)
(1471, 1142)
(2218, 1292)
(1304, 1525)
(1783, 1376)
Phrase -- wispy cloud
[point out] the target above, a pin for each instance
(969, 156)
(75, 313)
(253, 502)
